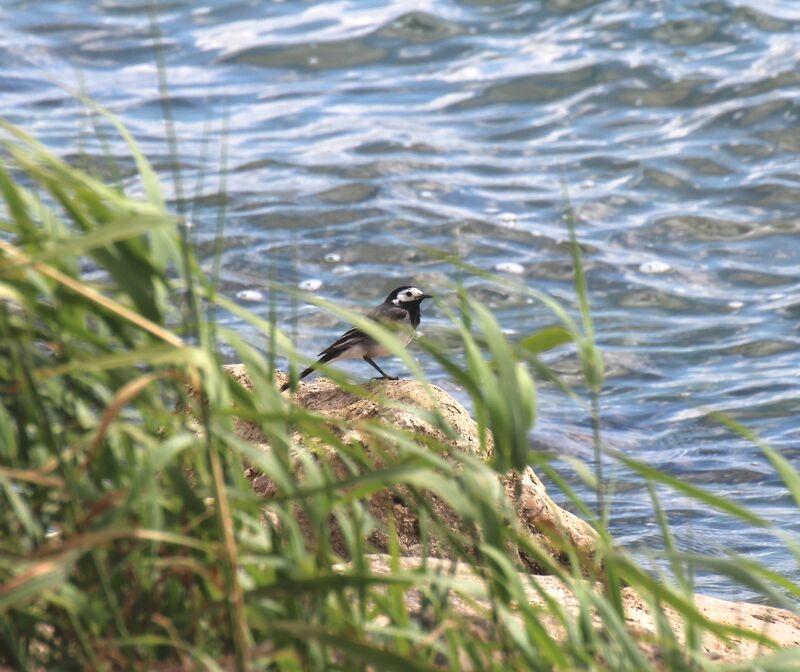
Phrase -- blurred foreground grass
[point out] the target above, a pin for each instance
(131, 539)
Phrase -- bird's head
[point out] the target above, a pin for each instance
(406, 295)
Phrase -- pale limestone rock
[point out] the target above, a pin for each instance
(779, 625)
(552, 527)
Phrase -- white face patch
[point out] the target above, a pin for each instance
(410, 294)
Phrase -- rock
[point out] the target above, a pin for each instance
(779, 625)
(553, 528)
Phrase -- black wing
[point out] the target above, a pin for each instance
(384, 314)
(389, 313)
(348, 338)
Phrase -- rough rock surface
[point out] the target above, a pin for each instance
(779, 625)
(548, 524)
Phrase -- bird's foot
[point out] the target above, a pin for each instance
(385, 378)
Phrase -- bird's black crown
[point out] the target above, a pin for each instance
(393, 294)
(406, 294)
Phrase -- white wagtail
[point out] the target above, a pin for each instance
(399, 312)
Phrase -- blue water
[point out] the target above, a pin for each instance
(354, 130)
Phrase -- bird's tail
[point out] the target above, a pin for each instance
(327, 356)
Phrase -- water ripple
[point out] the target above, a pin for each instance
(355, 130)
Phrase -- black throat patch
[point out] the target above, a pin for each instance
(413, 312)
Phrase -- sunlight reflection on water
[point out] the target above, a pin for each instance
(355, 129)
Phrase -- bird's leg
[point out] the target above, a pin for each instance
(379, 369)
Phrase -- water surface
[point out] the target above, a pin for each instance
(355, 130)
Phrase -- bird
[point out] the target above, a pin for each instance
(400, 312)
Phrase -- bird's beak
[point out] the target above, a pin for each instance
(425, 296)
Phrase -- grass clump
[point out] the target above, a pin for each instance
(130, 537)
